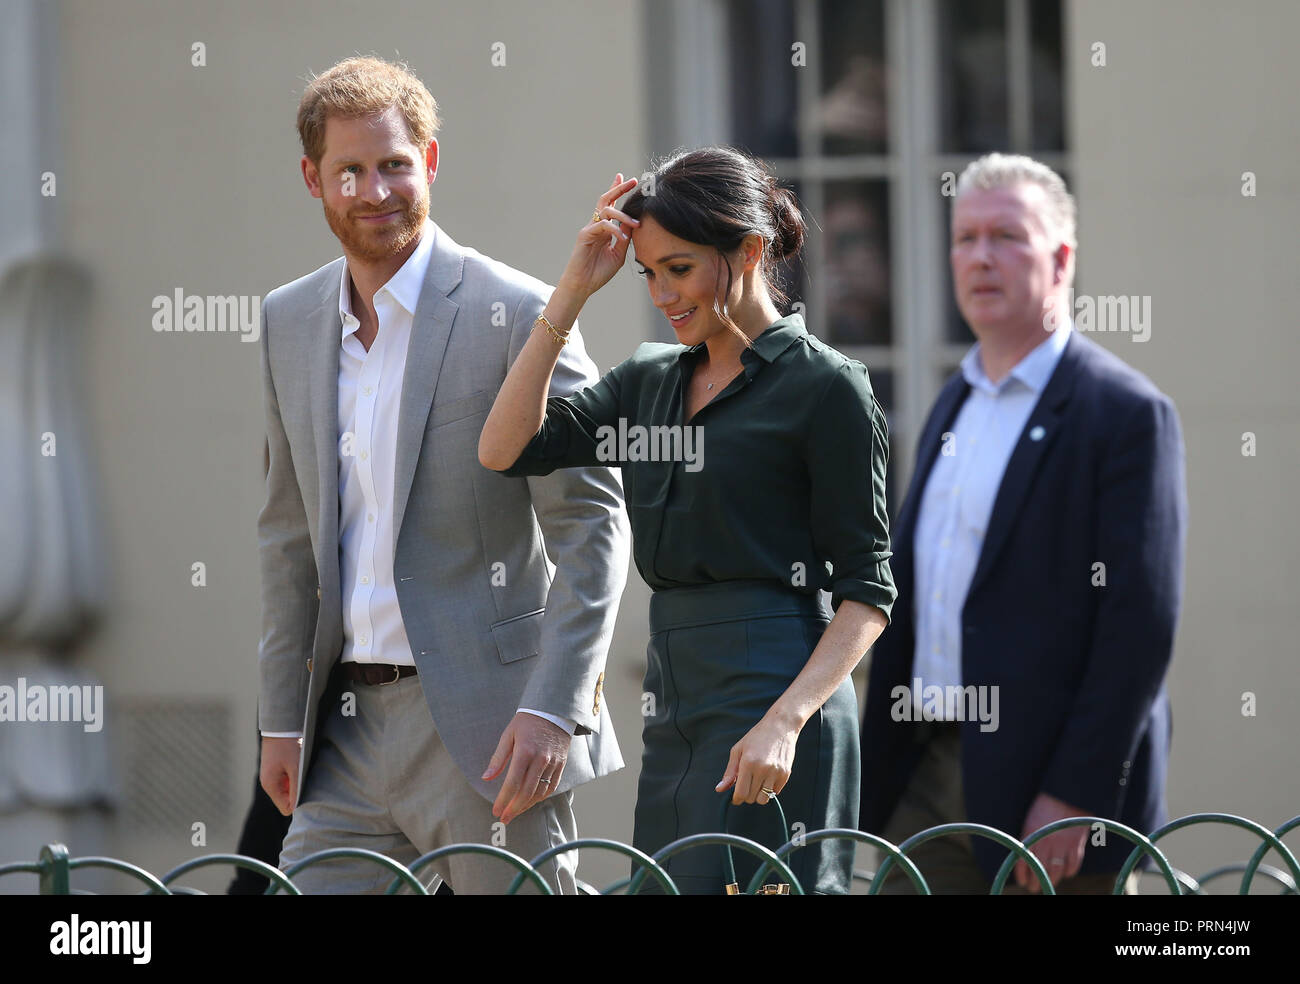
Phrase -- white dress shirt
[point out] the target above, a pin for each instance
(369, 398)
(958, 501)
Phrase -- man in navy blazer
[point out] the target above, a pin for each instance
(1038, 557)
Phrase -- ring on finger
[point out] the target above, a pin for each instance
(595, 216)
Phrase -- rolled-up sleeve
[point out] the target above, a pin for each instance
(848, 453)
(570, 435)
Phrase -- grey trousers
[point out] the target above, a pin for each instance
(933, 797)
(382, 780)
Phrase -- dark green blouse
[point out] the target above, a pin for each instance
(782, 476)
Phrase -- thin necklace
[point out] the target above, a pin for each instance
(709, 386)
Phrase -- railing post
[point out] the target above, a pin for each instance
(55, 878)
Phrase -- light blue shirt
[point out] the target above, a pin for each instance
(958, 501)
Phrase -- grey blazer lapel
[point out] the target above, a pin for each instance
(430, 332)
(324, 331)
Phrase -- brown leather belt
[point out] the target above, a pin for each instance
(374, 674)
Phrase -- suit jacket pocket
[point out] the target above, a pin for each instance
(453, 410)
(520, 636)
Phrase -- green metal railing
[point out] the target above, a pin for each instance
(55, 866)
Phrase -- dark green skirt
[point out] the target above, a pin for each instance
(719, 657)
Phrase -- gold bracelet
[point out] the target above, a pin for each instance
(562, 337)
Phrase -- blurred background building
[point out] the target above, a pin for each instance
(168, 131)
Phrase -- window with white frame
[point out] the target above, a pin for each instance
(862, 106)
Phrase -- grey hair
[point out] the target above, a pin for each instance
(1005, 170)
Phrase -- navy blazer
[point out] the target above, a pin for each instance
(1083, 711)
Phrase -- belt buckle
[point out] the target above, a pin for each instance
(397, 675)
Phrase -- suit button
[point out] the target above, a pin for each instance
(318, 592)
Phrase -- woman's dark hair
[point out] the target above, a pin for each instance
(716, 197)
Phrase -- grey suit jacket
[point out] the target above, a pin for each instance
(494, 625)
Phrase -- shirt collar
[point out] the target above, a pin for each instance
(404, 286)
(1032, 371)
(775, 339)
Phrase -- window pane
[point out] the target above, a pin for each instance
(851, 104)
(1047, 74)
(854, 247)
(973, 112)
(764, 105)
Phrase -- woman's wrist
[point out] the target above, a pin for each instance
(563, 306)
(787, 718)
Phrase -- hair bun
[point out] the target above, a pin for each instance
(788, 220)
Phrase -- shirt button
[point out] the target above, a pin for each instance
(956, 489)
(370, 518)
(365, 455)
(365, 579)
(945, 543)
(362, 640)
(938, 596)
(367, 391)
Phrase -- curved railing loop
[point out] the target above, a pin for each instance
(644, 860)
(329, 854)
(1271, 840)
(993, 834)
(1128, 833)
(526, 870)
(779, 867)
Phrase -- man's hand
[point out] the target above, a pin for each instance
(536, 750)
(279, 775)
(1061, 852)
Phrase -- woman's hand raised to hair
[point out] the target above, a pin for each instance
(602, 245)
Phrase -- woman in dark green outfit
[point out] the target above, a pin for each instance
(753, 459)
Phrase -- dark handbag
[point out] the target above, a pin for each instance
(729, 862)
